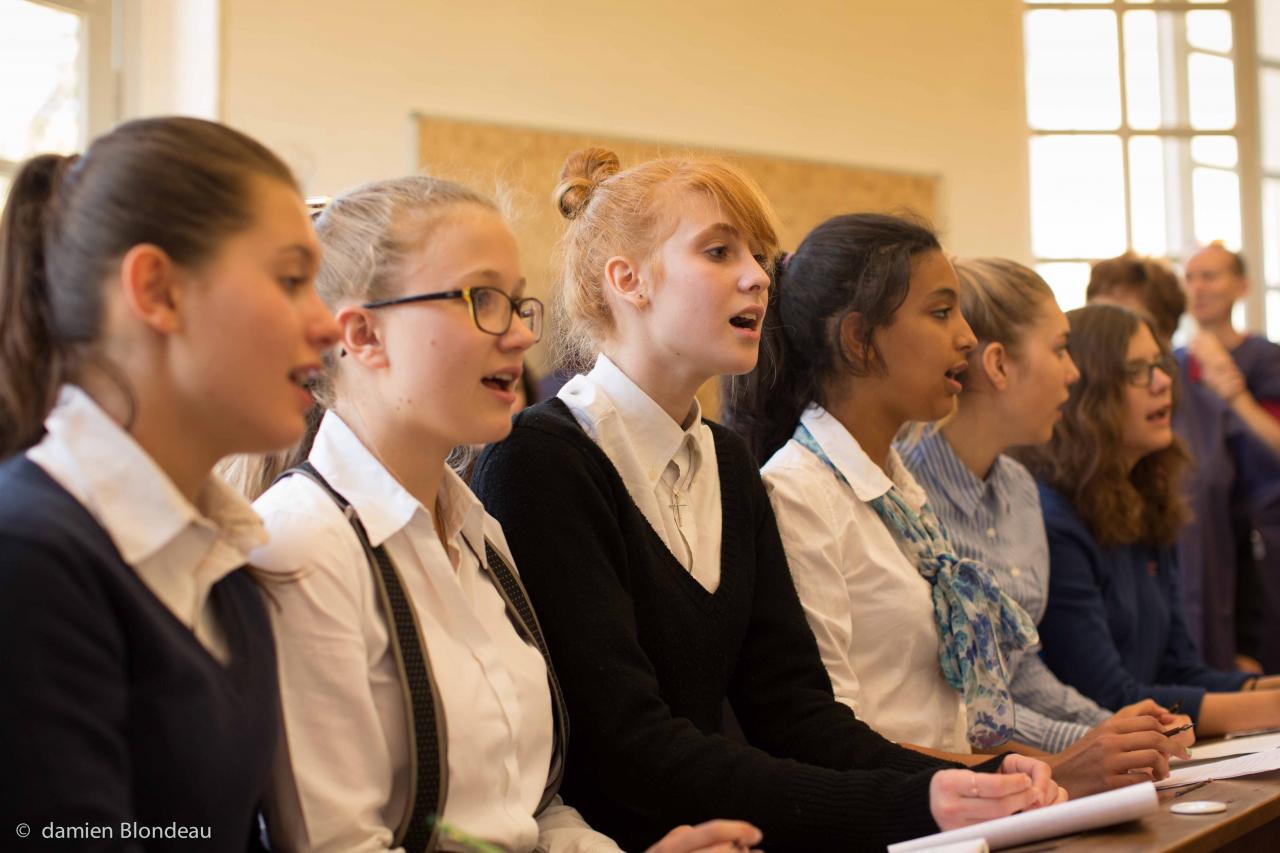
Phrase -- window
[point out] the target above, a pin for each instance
(56, 82)
(1141, 131)
(1268, 29)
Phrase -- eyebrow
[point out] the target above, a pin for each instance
(307, 253)
(725, 227)
(490, 275)
(944, 291)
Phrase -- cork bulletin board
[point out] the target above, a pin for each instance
(523, 164)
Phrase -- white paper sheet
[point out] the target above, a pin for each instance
(1064, 819)
(977, 845)
(1230, 768)
(1235, 746)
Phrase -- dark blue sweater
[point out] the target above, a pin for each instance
(647, 659)
(1114, 628)
(112, 714)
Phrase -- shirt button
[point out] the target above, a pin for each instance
(991, 533)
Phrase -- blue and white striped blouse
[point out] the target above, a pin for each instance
(998, 521)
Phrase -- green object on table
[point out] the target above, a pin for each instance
(457, 836)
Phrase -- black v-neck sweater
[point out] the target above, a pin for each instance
(114, 719)
(647, 658)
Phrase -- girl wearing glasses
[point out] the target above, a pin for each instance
(413, 674)
(648, 544)
(156, 314)
(1109, 483)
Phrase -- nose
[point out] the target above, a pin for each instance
(755, 278)
(966, 340)
(322, 328)
(518, 337)
(1160, 380)
(1073, 372)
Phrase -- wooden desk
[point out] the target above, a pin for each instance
(1251, 824)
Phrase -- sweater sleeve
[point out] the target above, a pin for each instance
(560, 518)
(64, 751)
(1077, 640)
(1182, 663)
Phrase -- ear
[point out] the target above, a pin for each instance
(995, 365)
(153, 287)
(360, 336)
(851, 342)
(622, 278)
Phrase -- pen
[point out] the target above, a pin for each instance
(1175, 707)
(1179, 730)
(1187, 790)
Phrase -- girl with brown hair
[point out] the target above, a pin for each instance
(1109, 484)
(156, 314)
(647, 542)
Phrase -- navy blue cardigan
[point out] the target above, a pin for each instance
(115, 721)
(1114, 627)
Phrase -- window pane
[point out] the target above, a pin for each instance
(1146, 195)
(1073, 73)
(1069, 282)
(1215, 151)
(1212, 89)
(1270, 101)
(1210, 30)
(1077, 197)
(1271, 232)
(41, 102)
(1269, 28)
(1273, 314)
(1142, 70)
(1216, 200)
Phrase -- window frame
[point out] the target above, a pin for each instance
(98, 67)
(1247, 62)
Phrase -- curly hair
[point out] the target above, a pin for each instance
(1084, 461)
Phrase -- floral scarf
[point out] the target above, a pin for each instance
(978, 622)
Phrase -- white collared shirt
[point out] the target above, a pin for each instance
(342, 782)
(667, 469)
(178, 549)
(868, 606)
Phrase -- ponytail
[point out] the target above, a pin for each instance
(30, 356)
(765, 405)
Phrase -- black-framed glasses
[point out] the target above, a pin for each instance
(1139, 374)
(491, 308)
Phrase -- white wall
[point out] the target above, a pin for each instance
(170, 56)
(931, 86)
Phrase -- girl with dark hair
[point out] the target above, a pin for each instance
(1110, 490)
(648, 545)
(866, 335)
(156, 314)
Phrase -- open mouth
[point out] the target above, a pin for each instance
(1160, 414)
(749, 319)
(305, 377)
(504, 380)
(953, 375)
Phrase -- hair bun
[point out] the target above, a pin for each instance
(583, 171)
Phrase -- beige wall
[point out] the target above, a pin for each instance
(932, 86)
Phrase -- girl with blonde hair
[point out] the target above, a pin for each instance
(420, 707)
(648, 544)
